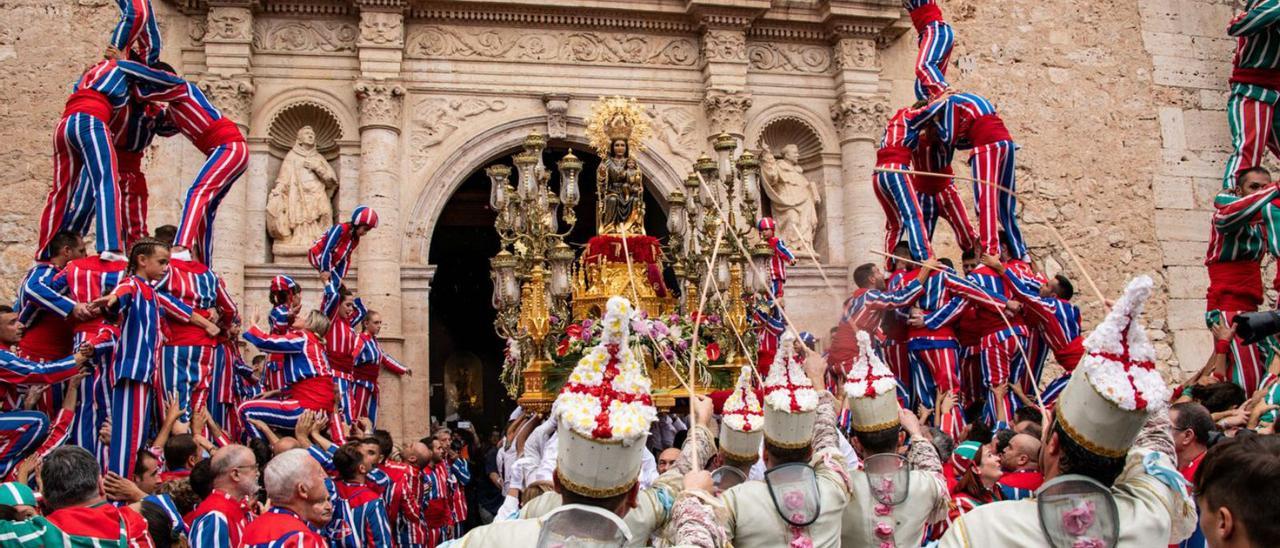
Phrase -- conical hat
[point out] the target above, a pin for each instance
(790, 400)
(604, 412)
(871, 389)
(1116, 384)
(742, 425)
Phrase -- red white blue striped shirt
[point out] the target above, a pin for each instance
(200, 289)
(140, 308)
(302, 350)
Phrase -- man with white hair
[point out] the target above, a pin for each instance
(220, 519)
(300, 504)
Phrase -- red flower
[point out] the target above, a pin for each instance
(563, 347)
(713, 351)
(574, 330)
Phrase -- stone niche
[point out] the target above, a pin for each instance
(305, 181)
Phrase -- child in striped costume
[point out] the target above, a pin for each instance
(1255, 87)
(286, 302)
(331, 254)
(341, 342)
(133, 368)
(1234, 258)
(782, 256)
(213, 134)
(370, 360)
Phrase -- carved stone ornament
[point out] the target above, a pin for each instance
(678, 130)
(379, 28)
(436, 42)
(557, 105)
(724, 45)
(234, 97)
(229, 24)
(860, 116)
(856, 53)
(437, 118)
(296, 36)
(775, 57)
(197, 30)
(379, 104)
(727, 110)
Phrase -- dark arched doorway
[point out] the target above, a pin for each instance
(466, 354)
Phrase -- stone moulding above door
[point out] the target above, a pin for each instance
(440, 42)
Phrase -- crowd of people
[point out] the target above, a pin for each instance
(134, 414)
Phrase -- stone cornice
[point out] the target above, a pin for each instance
(826, 20)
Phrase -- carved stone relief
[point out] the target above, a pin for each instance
(304, 36)
(227, 23)
(435, 119)
(724, 45)
(861, 116)
(233, 97)
(768, 56)
(678, 130)
(551, 45)
(855, 53)
(381, 29)
(379, 104)
(557, 124)
(727, 110)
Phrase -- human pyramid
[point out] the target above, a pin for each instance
(931, 387)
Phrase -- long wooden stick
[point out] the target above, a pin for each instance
(635, 293)
(1061, 241)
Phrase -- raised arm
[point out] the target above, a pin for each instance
(1262, 14)
(1230, 211)
(48, 293)
(16, 370)
(294, 343)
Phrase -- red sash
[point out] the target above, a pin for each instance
(315, 394)
(1235, 286)
(128, 162)
(987, 129)
(923, 15)
(1267, 78)
(893, 155)
(48, 340)
(220, 132)
(87, 101)
(1069, 356)
(189, 334)
(932, 184)
(342, 364)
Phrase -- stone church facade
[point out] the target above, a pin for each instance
(1118, 107)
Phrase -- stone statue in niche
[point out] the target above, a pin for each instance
(300, 207)
(794, 199)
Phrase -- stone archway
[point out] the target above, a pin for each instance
(451, 229)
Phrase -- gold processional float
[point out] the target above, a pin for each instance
(549, 296)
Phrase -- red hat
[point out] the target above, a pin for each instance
(766, 223)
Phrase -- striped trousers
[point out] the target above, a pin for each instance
(947, 204)
(997, 207)
(935, 367)
(133, 207)
(1252, 123)
(130, 424)
(224, 165)
(86, 185)
(902, 213)
(94, 405)
(999, 356)
(1038, 353)
(21, 432)
(281, 415)
(185, 372)
(364, 401)
(895, 355)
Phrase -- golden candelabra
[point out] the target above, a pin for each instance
(531, 272)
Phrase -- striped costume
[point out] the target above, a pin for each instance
(86, 185)
(370, 360)
(214, 135)
(1255, 87)
(341, 344)
(367, 514)
(403, 496)
(331, 254)
(134, 128)
(188, 356)
(21, 432)
(46, 334)
(769, 324)
(863, 312)
(137, 35)
(280, 527)
(101, 525)
(1059, 321)
(231, 383)
(308, 382)
(936, 39)
(1236, 243)
(84, 280)
(444, 500)
(935, 354)
(133, 367)
(896, 191)
(1002, 339)
(218, 521)
(969, 121)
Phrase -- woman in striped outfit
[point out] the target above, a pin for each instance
(308, 378)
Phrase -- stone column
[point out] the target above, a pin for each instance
(724, 74)
(859, 119)
(859, 113)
